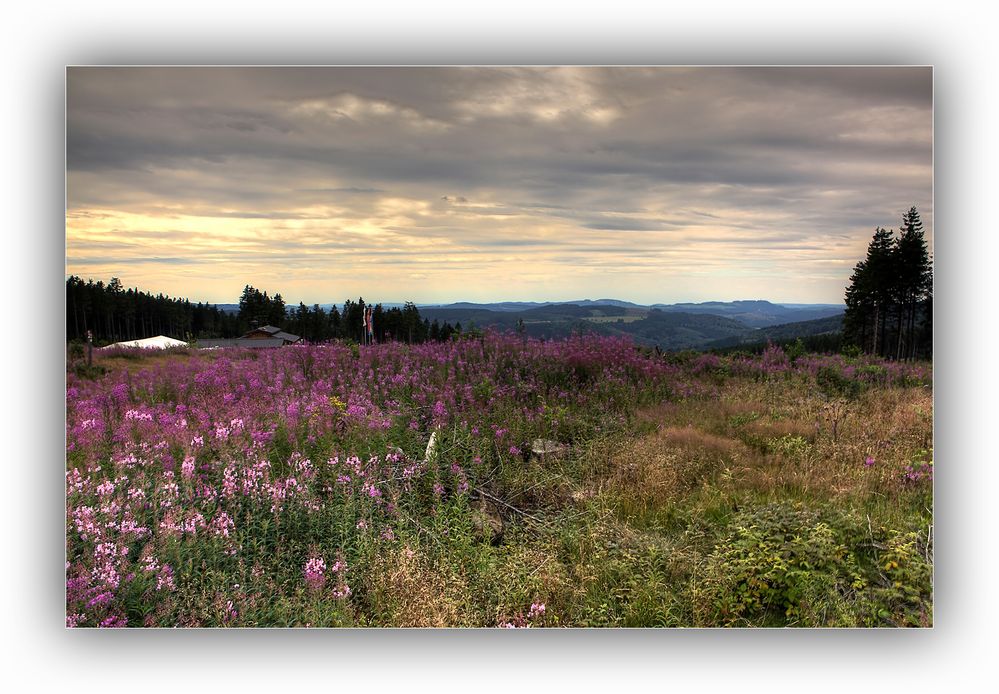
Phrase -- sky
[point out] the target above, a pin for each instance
(433, 185)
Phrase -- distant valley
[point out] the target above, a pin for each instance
(668, 326)
(708, 325)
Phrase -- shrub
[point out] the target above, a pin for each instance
(872, 373)
(833, 383)
(779, 564)
(90, 373)
(76, 349)
(902, 598)
(783, 564)
(795, 350)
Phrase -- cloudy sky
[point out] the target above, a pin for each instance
(485, 184)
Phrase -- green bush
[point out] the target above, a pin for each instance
(776, 565)
(833, 383)
(76, 349)
(89, 372)
(785, 565)
(873, 373)
(902, 597)
(795, 350)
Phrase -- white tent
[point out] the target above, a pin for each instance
(158, 342)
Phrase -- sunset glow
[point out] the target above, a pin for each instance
(489, 184)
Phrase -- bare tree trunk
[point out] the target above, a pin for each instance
(877, 311)
(863, 335)
(884, 340)
(901, 323)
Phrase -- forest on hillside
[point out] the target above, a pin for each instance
(113, 313)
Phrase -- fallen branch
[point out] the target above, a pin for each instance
(509, 506)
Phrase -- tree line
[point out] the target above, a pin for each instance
(316, 324)
(889, 302)
(113, 313)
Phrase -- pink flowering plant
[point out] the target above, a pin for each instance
(255, 487)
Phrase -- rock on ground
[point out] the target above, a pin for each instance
(487, 523)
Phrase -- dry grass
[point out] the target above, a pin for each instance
(792, 447)
(153, 360)
(775, 429)
(405, 591)
(670, 462)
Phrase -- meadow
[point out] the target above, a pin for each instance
(497, 481)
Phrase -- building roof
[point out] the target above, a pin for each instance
(241, 342)
(273, 332)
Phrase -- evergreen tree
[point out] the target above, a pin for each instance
(888, 301)
(915, 280)
(870, 294)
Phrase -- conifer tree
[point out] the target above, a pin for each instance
(869, 296)
(888, 301)
(915, 280)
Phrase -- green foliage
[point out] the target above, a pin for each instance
(90, 373)
(744, 418)
(681, 358)
(784, 564)
(888, 302)
(902, 595)
(795, 350)
(793, 447)
(851, 351)
(873, 372)
(77, 349)
(113, 313)
(776, 564)
(833, 383)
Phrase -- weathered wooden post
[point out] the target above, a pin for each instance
(90, 348)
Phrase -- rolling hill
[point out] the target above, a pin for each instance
(667, 329)
(783, 332)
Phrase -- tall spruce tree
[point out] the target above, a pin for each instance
(870, 294)
(915, 281)
(888, 301)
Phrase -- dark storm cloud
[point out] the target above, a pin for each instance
(803, 160)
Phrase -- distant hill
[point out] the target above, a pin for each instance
(651, 327)
(501, 306)
(757, 314)
(671, 330)
(707, 325)
(525, 305)
(783, 333)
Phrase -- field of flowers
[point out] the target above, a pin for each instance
(497, 481)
